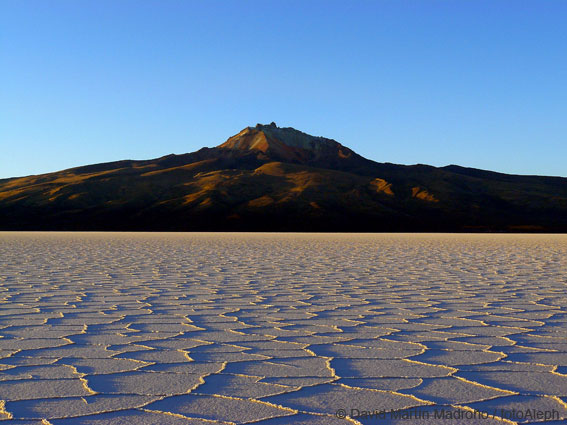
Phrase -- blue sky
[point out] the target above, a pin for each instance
(475, 83)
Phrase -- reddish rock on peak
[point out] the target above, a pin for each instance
(290, 145)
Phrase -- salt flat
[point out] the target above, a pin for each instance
(116, 328)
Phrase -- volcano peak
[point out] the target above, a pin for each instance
(287, 144)
(270, 125)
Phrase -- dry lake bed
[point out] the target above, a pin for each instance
(134, 328)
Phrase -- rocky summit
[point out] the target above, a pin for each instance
(291, 145)
(268, 178)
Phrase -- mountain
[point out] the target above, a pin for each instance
(268, 178)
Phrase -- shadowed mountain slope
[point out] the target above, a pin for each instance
(267, 178)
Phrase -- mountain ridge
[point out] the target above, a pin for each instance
(267, 178)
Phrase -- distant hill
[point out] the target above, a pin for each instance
(267, 178)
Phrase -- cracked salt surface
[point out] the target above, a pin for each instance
(115, 328)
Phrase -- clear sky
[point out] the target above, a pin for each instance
(476, 83)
